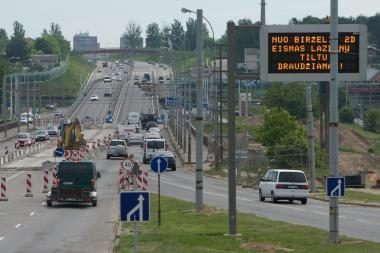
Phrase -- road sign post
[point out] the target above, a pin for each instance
(158, 165)
(335, 186)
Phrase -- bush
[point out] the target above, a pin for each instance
(346, 115)
(372, 120)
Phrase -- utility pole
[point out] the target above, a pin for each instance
(199, 117)
(189, 116)
(310, 137)
(263, 12)
(333, 124)
(231, 128)
(17, 102)
(220, 105)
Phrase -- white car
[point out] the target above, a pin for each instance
(154, 130)
(94, 98)
(280, 184)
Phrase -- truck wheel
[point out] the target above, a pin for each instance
(108, 156)
(49, 202)
(94, 202)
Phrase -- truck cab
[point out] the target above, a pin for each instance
(76, 182)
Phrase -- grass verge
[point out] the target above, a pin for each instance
(186, 231)
(353, 195)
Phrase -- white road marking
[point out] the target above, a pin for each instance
(319, 207)
(290, 207)
(2, 238)
(18, 225)
(363, 221)
(15, 175)
(321, 213)
(31, 214)
(43, 203)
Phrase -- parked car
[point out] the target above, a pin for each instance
(42, 135)
(25, 139)
(169, 156)
(53, 131)
(280, 184)
(135, 139)
(117, 148)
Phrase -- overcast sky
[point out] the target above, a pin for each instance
(107, 19)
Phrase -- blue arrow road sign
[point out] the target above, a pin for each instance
(158, 164)
(134, 206)
(58, 152)
(335, 186)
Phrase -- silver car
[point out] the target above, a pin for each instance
(117, 148)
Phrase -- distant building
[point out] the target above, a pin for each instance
(84, 42)
(46, 61)
(252, 59)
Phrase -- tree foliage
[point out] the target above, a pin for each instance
(17, 46)
(165, 36)
(3, 40)
(177, 35)
(291, 97)
(132, 36)
(190, 35)
(372, 120)
(284, 137)
(153, 36)
(346, 115)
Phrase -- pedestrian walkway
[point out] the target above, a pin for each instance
(184, 155)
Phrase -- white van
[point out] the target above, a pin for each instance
(151, 146)
(279, 184)
(133, 118)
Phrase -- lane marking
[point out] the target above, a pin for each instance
(290, 207)
(320, 213)
(363, 221)
(43, 203)
(18, 225)
(2, 238)
(15, 175)
(31, 214)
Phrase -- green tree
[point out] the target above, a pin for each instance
(284, 137)
(55, 33)
(291, 97)
(372, 120)
(190, 35)
(3, 40)
(165, 36)
(131, 38)
(153, 37)
(246, 38)
(346, 115)
(177, 35)
(17, 46)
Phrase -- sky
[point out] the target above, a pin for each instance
(108, 19)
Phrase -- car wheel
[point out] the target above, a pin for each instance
(261, 198)
(291, 200)
(144, 160)
(174, 168)
(94, 202)
(108, 156)
(304, 201)
(49, 202)
(273, 198)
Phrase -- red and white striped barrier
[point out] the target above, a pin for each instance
(54, 174)
(3, 189)
(46, 182)
(142, 181)
(121, 179)
(28, 185)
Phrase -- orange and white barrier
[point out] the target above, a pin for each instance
(3, 189)
(54, 174)
(142, 181)
(28, 185)
(121, 179)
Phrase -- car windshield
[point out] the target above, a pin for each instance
(292, 177)
(41, 133)
(116, 143)
(23, 136)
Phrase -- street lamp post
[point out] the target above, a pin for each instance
(199, 115)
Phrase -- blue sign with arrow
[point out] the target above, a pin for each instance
(59, 152)
(335, 186)
(135, 206)
(158, 164)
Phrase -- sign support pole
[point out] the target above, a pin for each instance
(159, 193)
(333, 124)
(136, 236)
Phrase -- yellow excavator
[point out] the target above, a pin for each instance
(71, 137)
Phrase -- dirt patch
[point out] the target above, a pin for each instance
(262, 246)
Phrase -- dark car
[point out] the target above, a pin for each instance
(150, 124)
(42, 135)
(169, 156)
(53, 131)
(76, 182)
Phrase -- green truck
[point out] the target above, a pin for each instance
(76, 182)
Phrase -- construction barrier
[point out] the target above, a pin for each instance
(121, 179)
(142, 181)
(28, 185)
(3, 189)
(46, 182)
(54, 174)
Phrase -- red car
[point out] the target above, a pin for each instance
(25, 139)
